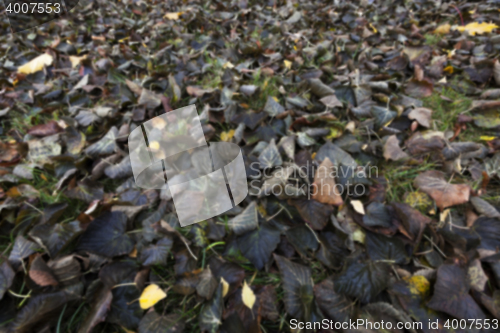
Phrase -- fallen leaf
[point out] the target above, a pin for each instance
(444, 194)
(421, 115)
(247, 296)
(477, 28)
(392, 151)
(225, 287)
(443, 29)
(172, 16)
(36, 64)
(151, 295)
(358, 206)
(324, 187)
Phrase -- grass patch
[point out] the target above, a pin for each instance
(400, 178)
(268, 86)
(432, 39)
(445, 114)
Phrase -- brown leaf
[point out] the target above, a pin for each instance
(421, 115)
(392, 151)
(41, 274)
(331, 101)
(419, 89)
(444, 194)
(47, 129)
(8, 154)
(496, 72)
(324, 189)
(98, 310)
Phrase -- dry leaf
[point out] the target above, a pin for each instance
(392, 151)
(477, 28)
(227, 136)
(172, 16)
(75, 61)
(288, 64)
(247, 296)
(421, 115)
(151, 295)
(324, 185)
(443, 29)
(358, 206)
(36, 64)
(225, 287)
(443, 193)
(496, 72)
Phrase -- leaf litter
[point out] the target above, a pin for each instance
(370, 134)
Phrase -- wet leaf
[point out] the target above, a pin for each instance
(211, 313)
(298, 286)
(152, 322)
(6, 277)
(157, 254)
(273, 108)
(54, 238)
(377, 215)
(334, 306)
(380, 247)
(258, 245)
(99, 308)
(105, 146)
(451, 294)
(313, 212)
(270, 156)
(246, 220)
(362, 280)
(106, 236)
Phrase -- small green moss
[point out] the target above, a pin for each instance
(431, 39)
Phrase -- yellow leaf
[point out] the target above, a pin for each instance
(75, 61)
(225, 287)
(172, 16)
(443, 29)
(451, 53)
(36, 64)
(133, 254)
(262, 210)
(358, 206)
(373, 28)
(288, 64)
(477, 28)
(313, 155)
(154, 145)
(227, 136)
(334, 133)
(448, 69)
(358, 235)
(276, 99)
(228, 65)
(151, 295)
(248, 296)
(487, 138)
(418, 284)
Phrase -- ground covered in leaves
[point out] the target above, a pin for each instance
(400, 98)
